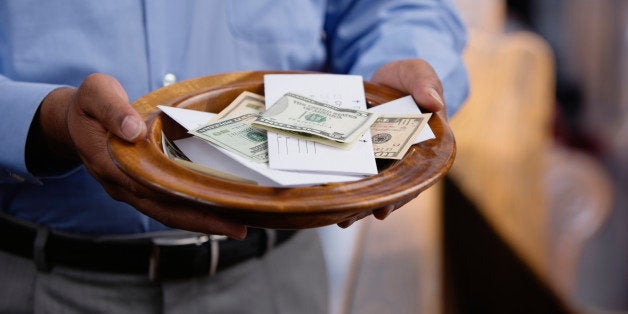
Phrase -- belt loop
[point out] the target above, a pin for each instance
(153, 264)
(155, 269)
(214, 253)
(39, 249)
(271, 240)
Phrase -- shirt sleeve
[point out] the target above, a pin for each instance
(364, 35)
(18, 104)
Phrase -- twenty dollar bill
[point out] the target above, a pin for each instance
(393, 135)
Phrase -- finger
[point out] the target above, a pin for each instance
(114, 180)
(89, 140)
(192, 219)
(102, 98)
(384, 212)
(415, 77)
(177, 215)
(347, 223)
(122, 188)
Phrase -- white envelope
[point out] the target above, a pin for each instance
(288, 153)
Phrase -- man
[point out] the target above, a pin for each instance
(64, 196)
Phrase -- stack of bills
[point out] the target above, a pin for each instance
(241, 127)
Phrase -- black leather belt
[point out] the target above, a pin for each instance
(179, 256)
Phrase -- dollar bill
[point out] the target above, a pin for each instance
(236, 135)
(302, 117)
(393, 135)
(246, 102)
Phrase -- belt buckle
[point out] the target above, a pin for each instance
(198, 239)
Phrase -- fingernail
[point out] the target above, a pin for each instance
(131, 127)
(436, 97)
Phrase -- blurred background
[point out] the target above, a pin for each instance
(590, 43)
(533, 216)
(577, 153)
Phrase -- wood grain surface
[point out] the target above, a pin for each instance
(261, 206)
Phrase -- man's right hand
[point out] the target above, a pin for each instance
(74, 124)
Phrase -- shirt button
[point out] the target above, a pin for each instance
(169, 79)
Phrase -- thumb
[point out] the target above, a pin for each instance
(415, 77)
(102, 98)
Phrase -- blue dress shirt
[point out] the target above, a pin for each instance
(144, 44)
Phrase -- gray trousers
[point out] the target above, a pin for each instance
(289, 279)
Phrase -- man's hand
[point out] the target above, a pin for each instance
(74, 124)
(417, 78)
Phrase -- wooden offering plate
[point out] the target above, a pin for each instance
(271, 207)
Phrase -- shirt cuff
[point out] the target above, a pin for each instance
(19, 102)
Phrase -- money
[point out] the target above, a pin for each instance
(231, 128)
(301, 117)
(393, 135)
(236, 135)
(246, 102)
